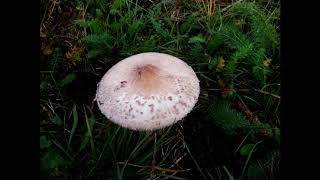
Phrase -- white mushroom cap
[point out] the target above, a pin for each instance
(148, 91)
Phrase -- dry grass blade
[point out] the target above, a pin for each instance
(193, 159)
(211, 7)
(229, 6)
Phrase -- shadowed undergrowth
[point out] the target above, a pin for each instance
(233, 131)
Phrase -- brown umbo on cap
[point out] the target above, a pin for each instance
(148, 91)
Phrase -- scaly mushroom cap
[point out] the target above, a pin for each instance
(148, 91)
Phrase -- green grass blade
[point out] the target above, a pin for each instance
(74, 126)
(228, 173)
(62, 149)
(89, 131)
(172, 177)
(248, 159)
(194, 160)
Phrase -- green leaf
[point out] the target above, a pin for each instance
(248, 158)
(115, 26)
(196, 40)
(43, 85)
(90, 122)
(228, 173)
(188, 24)
(93, 54)
(81, 23)
(255, 172)
(135, 27)
(52, 159)
(116, 6)
(158, 27)
(246, 149)
(44, 143)
(99, 13)
(57, 120)
(84, 142)
(57, 58)
(93, 25)
(212, 63)
(74, 126)
(68, 79)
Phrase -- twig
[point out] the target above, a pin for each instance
(264, 92)
(193, 159)
(46, 71)
(261, 91)
(155, 167)
(239, 90)
(226, 8)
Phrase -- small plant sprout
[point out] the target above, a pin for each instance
(148, 91)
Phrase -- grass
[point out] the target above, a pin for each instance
(233, 131)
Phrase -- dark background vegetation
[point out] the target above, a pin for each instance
(233, 131)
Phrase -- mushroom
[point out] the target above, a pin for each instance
(148, 91)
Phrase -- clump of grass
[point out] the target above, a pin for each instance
(99, 147)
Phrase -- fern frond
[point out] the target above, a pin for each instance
(116, 6)
(98, 43)
(242, 53)
(259, 70)
(262, 31)
(188, 24)
(135, 27)
(227, 118)
(157, 26)
(99, 40)
(93, 25)
(233, 37)
(230, 120)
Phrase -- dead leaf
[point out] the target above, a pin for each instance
(245, 110)
(220, 64)
(74, 52)
(226, 92)
(267, 62)
(175, 15)
(73, 55)
(42, 34)
(47, 50)
(221, 83)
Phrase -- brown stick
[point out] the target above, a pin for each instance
(267, 93)
(257, 90)
(155, 167)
